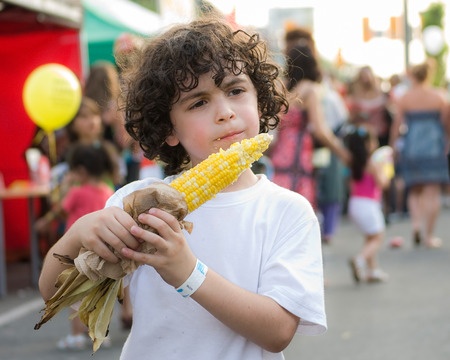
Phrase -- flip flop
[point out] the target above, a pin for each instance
(434, 243)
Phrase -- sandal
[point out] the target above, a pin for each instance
(377, 275)
(417, 238)
(74, 342)
(434, 243)
(80, 342)
(357, 266)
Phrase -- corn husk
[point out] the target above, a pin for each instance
(95, 284)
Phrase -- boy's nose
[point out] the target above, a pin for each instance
(224, 113)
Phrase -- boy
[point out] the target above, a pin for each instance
(195, 89)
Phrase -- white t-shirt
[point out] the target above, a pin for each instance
(265, 239)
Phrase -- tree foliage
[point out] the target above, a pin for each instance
(434, 15)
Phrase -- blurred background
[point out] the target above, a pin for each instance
(388, 36)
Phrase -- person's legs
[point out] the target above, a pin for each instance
(78, 338)
(399, 186)
(78, 327)
(365, 264)
(370, 249)
(330, 213)
(431, 203)
(368, 216)
(126, 315)
(415, 211)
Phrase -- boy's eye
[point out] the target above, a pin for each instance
(198, 104)
(236, 91)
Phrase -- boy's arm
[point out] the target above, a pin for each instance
(52, 267)
(256, 317)
(93, 231)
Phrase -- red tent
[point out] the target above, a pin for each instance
(31, 34)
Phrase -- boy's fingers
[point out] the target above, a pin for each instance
(151, 237)
(138, 257)
(102, 250)
(119, 235)
(107, 236)
(159, 219)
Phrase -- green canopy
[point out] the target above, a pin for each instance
(105, 20)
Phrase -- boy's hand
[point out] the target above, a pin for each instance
(173, 259)
(110, 226)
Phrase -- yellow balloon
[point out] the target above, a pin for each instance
(51, 96)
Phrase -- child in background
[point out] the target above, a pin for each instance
(88, 166)
(367, 183)
(85, 128)
(103, 87)
(194, 89)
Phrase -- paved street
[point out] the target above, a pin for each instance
(407, 318)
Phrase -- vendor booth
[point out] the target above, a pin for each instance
(106, 20)
(73, 33)
(32, 33)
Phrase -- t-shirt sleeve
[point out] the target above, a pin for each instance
(293, 273)
(117, 198)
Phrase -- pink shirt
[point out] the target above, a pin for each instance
(366, 187)
(81, 200)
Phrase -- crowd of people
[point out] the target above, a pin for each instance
(321, 149)
(188, 90)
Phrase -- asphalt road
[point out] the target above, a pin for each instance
(407, 318)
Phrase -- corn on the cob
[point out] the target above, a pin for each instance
(197, 185)
(219, 170)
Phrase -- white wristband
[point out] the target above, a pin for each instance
(194, 281)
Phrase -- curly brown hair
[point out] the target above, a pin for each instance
(172, 63)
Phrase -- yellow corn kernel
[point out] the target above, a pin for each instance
(202, 182)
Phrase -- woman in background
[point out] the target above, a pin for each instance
(292, 152)
(423, 165)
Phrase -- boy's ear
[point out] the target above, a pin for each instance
(172, 140)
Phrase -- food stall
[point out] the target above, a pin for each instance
(32, 33)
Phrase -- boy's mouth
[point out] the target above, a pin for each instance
(230, 136)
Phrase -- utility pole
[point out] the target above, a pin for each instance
(407, 33)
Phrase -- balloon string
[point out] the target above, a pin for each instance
(39, 137)
(52, 147)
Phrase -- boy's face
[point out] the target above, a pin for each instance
(208, 117)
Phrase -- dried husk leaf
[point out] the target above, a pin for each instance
(157, 195)
(97, 283)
